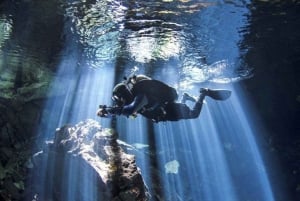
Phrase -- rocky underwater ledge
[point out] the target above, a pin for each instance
(85, 162)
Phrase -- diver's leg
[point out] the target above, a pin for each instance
(186, 97)
(177, 111)
(195, 112)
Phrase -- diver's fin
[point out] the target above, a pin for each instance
(218, 94)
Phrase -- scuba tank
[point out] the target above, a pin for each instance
(155, 90)
(158, 94)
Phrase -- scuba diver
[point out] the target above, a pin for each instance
(155, 100)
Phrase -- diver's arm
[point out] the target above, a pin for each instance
(138, 103)
(108, 111)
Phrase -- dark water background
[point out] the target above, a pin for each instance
(274, 52)
(34, 33)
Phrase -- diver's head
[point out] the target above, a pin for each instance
(121, 95)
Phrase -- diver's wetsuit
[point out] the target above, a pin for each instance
(153, 99)
(177, 111)
(137, 104)
(156, 100)
(171, 111)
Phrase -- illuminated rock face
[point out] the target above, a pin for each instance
(87, 163)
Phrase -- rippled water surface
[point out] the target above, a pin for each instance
(184, 36)
(89, 45)
(191, 33)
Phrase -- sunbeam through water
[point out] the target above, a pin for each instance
(215, 157)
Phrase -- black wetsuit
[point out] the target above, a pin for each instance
(177, 111)
(160, 105)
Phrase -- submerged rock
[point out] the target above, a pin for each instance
(85, 162)
(172, 167)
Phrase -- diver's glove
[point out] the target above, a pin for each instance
(106, 111)
(116, 110)
(102, 111)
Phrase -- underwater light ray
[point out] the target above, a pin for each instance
(65, 104)
(88, 185)
(208, 161)
(94, 87)
(52, 117)
(223, 176)
(83, 98)
(176, 152)
(165, 154)
(189, 161)
(193, 163)
(257, 159)
(134, 134)
(70, 170)
(46, 176)
(71, 181)
(241, 148)
(201, 167)
(214, 168)
(71, 107)
(77, 179)
(190, 167)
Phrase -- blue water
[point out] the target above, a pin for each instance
(212, 158)
(218, 154)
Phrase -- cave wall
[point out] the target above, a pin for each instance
(274, 53)
(30, 43)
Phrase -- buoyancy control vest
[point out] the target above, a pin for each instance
(158, 94)
(156, 91)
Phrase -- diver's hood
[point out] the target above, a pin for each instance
(120, 91)
(119, 88)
